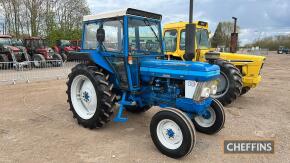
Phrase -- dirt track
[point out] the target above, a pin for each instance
(36, 126)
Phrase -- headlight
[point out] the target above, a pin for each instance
(205, 89)
(213, 89)
(205, 92)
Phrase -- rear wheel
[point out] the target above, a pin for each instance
(230, 83)
(213, 121)
(90, 96)
(4, 61)
(38, 60)
(172, 133)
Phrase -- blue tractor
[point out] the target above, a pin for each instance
(126, 65)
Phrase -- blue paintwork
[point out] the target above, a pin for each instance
(170, 133)
(122, 103)
(97, 57)
(190, 106)
(184, 70)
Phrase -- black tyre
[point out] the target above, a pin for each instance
(138, 109)
(90, 96)
(4, 58)
(64, 57)
(245, 90)
(38, 60)
(172, 133)
(57, 60)
(230, 83)
(213, 122)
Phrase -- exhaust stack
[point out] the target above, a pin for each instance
(190, 36)
(234, 38)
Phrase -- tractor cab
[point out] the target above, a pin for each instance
(37, 45)
(75, 44)
(63, 46)
(123, 38)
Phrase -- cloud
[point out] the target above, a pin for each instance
(270, 17)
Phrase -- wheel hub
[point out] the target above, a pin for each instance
(206, 115)
(170, 133)
(86, 97)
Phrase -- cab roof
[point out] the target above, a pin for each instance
(118, 13)
(34, 38)
(5, 36)
(199, 24)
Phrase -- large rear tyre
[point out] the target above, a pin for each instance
(230, 83)
(245, 90)
(213, 121)
(90, 96)
(4, 62)
(172, 133)
(38, 60)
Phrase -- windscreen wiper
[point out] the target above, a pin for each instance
(147, 23)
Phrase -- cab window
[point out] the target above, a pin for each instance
(170, 38)
(202, 39)
(90, 36)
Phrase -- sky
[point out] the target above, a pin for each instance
(256, 18)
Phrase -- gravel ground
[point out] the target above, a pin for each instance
(36, 126)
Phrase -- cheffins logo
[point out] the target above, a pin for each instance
(249, 146)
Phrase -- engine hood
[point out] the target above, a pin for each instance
(235, 57)
(185, 70)
(13, 48)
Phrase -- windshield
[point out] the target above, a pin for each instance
(170, 39)
(5, 41)
(202, 39)
(144, 35)
(42, 43)
(65, 43)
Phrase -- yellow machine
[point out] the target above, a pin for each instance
(235, 68)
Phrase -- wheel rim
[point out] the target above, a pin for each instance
(37, 62)
(223, 86)
(206, 120)
(83, 96)
(169, 134)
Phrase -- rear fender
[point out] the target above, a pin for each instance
(95, 57)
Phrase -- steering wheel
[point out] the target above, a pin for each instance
(149, 45)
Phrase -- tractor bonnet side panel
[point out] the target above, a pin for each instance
(178, 70)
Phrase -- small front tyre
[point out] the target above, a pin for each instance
(172, 133)
(213, 121)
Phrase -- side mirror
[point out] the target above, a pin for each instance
(100, 35)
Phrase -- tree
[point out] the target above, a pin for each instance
(222, 35)
(56, 19)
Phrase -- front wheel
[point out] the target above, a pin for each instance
(57, 60)
(212, 121)
(172, 133)
(64, 57)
